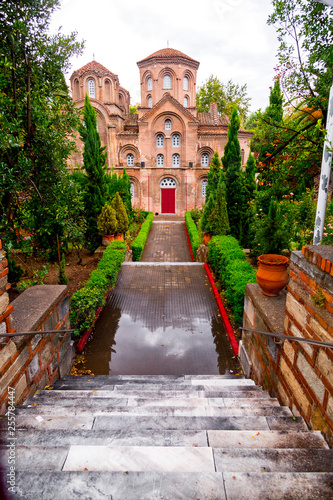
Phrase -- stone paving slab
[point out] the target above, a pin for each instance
(286, 460)
(266, 439)
(121, 486)
(277, 486)
(139, 459)
(43, 457)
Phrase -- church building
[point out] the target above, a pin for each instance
(167, 146)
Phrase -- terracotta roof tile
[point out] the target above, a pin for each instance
(168, 53)
(94, 66)
(208, 119)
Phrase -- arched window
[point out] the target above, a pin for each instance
(150, 83)
(160, 141)
(185, 83)
(91, 88)
(76, 89)
(150, 101)
(132, 191)
(185, 102)
(175, 140)
(160, 160)
(167, 124)
(130, 160)
(107, 88)
(176, 160)
(167, 81)
(204, 159)
(203, 187)
(168, 182)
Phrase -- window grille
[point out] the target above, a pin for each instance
(167, 82)
(159, 141)
(176, 160)
(203, 187)
(175, 140)
(150, 84)
(204, 159)
(91, 88)
(168, 182)
(130, 160)
(160, 160)
(167, 124)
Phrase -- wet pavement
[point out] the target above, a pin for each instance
(161, 318)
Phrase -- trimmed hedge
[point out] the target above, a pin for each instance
(140, 241)
(85, 302)
(193, 233)
(229, 263)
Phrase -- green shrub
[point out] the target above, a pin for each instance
(85, 302)
(121, 214)
(107, 220)
(193, 233)
(229, 263)
(139, 242)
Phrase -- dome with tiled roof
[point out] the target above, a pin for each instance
(94, 66)
(168, 54)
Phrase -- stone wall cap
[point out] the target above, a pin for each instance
(320, 255)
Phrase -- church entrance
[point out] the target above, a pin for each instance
(168, 196)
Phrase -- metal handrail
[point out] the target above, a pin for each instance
(288, 337)
(34, 333)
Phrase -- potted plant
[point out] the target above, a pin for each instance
(107, 224)
(121, 215)
(272, 275)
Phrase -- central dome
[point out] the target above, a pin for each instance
(168, 53)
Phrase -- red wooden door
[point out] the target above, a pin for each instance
(168, 204)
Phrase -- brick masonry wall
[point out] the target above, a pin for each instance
(29, 363)
(299, 374)
(5, 308)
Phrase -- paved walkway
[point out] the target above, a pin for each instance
(161, 318)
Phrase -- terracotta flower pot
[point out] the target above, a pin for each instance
(119, 237)
(106, 239)
(272, 275)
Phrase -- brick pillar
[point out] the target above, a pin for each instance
(5, 308)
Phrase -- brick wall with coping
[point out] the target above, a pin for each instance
(31, 362)
(299, 374)
(5, 308)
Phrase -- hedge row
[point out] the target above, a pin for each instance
(85, 302)
(192, 233)
(229, 264)
(139, 242)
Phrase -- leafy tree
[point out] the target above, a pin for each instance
(121, 215)
(225, 95)
(252, 121)
(37, 115)
(94, 164)
(232, 161)
(133, 109)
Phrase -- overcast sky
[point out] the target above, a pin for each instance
(230, 38)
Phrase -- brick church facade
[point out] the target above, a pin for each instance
(167, 147)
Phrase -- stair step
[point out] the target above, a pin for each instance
(191, 394)
(120, 485)
(163, 411)
(277, 485)
(186, 386)
(94, 401)
(268, 460)
(131, 437)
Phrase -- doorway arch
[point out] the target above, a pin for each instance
(168, 195)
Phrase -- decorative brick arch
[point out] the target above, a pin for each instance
(128, 149)
(201, 151)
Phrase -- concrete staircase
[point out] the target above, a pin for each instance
(165, 437)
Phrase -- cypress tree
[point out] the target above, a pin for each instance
(121, 214)
(249, 190)
(107, 220)
(232, 165)
(221, 218)
(213, 176)
(94, 164)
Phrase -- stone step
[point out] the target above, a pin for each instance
(277, 460)
(163, 411)
(120, 485)
(190, 394)
(131, 437)
(146, 402)
(127, 386)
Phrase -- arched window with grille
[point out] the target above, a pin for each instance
(160, 160)
(204, 159)
(168, 124)
(168, 182)
(167, 81)
(130, 160)
(175, 140)
(185, 102)
(132, 190)
(176, 160)
(150, 83)
(185, 83)
(91, 87)
(160, 141)
(203, 187)
(150, 101)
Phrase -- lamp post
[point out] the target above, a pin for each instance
(325, 164)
